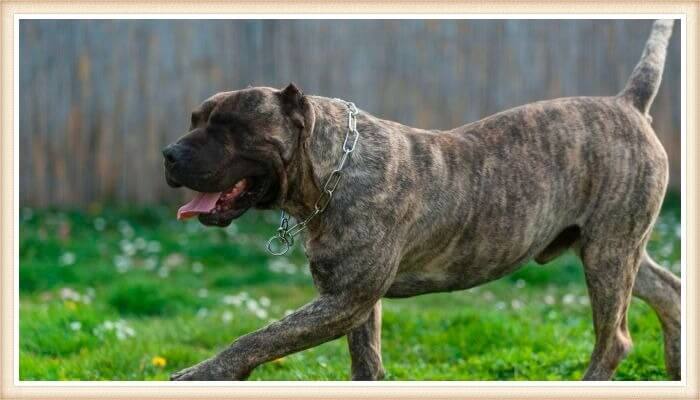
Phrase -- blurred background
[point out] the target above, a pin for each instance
(112, 287)
(99, 99)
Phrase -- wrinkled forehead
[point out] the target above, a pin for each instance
(243, 103)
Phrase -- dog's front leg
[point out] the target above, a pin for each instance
(365, 344)
(349, 292)
(324, 319)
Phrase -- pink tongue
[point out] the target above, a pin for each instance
(202, 203)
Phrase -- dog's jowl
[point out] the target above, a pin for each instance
(419, 211)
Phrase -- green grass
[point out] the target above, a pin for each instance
(110, 293)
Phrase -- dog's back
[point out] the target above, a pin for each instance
(533, 181)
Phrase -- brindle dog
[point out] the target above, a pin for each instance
(421, 211)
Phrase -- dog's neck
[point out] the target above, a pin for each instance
(320, 149)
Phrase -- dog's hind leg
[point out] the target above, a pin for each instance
(662, 291)
(365, 344)
(610, 267)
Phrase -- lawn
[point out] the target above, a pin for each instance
(110, 293)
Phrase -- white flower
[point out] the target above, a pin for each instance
(120, 329)
(252, 305)
(676, 267)
(122, 262)
(287, 312)
(75, 325)
(173, 260)
(125, 229)
(516, 304)
(568, 299)
(203, 292)
(235, 300)
(227, 317)
(163, 272)
(123, 330)
(140, 243)
(122, 334)
(666, 250)
(69, 294)
(151, 263)
(230, 300)
(127, 247)
(520, 284)
(202, 312)
(282, 266)
(197, 267)
(549, 299)
(67, 258)
(264, 301)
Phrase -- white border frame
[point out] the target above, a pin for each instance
(389, 384)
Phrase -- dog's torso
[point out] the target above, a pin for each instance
(470, 205)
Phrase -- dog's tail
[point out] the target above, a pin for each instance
(644, 82)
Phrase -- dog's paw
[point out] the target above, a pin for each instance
(208, 370)
(182, 375)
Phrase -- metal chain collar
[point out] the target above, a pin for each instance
(285, 235)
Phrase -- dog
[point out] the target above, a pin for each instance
(418, 211)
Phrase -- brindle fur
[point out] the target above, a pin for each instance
(422, 211)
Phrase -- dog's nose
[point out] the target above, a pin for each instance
(172, 153)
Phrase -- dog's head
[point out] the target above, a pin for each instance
(236, 152)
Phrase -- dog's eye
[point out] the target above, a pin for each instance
(222, 118)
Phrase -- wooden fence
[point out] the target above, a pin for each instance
(99, 99)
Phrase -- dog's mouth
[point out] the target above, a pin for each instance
(220, 208)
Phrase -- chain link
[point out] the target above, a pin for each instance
(285, 235)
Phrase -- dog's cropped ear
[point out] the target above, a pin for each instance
(294, 104)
